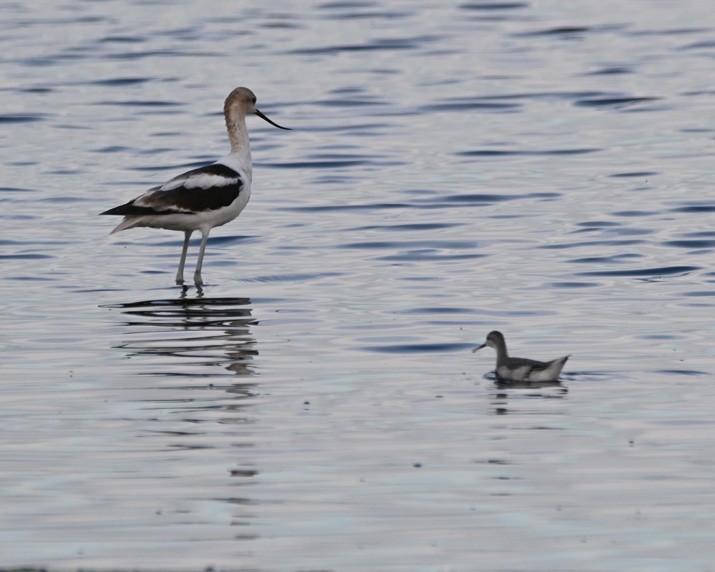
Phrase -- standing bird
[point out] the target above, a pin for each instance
(202, 198)
(521, 369)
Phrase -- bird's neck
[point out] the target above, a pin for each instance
(502, 353)
(238, 138)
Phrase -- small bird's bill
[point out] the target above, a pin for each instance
(479, 348)
(271, 122)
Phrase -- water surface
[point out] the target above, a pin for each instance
(542, 168)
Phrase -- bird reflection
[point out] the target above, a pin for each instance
(195, 334)
(524, 390)
(187, 339)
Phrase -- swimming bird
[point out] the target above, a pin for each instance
(521, 369)
(202, 198)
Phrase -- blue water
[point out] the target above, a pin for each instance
(543, 168)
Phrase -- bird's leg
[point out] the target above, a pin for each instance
(199, 262)
(184, 250)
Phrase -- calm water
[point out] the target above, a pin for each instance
(544, 168)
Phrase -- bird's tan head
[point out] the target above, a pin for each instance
(241, 102)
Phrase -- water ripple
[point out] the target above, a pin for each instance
(491, 153)
(650, 272)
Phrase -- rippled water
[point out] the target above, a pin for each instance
(543, 168)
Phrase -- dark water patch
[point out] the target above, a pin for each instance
(491, 153)
(598, 224)
(476, 198)
(142, 103)
(36, 90)
(691, 244)
(558, 31)
(572, 285)
(342, 157)
(611, 70)
(407, 227)
(304, 277)
(700, 294)
(466, 104)
(32, 279)
(20, 243)
(16, 190)
(351, 102)
(633, 214)
(481, 199)
(688, 372)
(634, 174)
(67, 199)
(547, 95)
(614, 102)
(697, 93)
(616, 258)
(700, 234)
(10, 118)
(357, 129)
(346, 4)
(382, 44)
(48, 61)
(276, 25)
(669, 32)
(695, 208)
(493, 6)
(646, 272)
(435, 310)
(364, 12)
(229, 240)
(122, 40)
(121, 81)
(658, 337)
(335, 164)
(417, 348)
(428, 255)
(454, 245)
(113, 149)
(507, 216)
(698, 129)
(704, 45)
(348, 89)
(150, 54)
(449, 201)
(348, 208)
(618, 230)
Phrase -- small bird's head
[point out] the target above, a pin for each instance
(494, 340)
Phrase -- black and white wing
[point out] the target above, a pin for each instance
(204, 189)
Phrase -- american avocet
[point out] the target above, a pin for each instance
(521, 369)
(202, 198)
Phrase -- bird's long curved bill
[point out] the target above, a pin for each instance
(479, 348)
(271, 122)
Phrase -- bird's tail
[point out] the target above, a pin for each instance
(127, 223)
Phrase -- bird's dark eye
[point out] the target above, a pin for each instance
(253, 100)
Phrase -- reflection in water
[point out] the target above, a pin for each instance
(187, 338)
(194, 333)
(525, 390)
